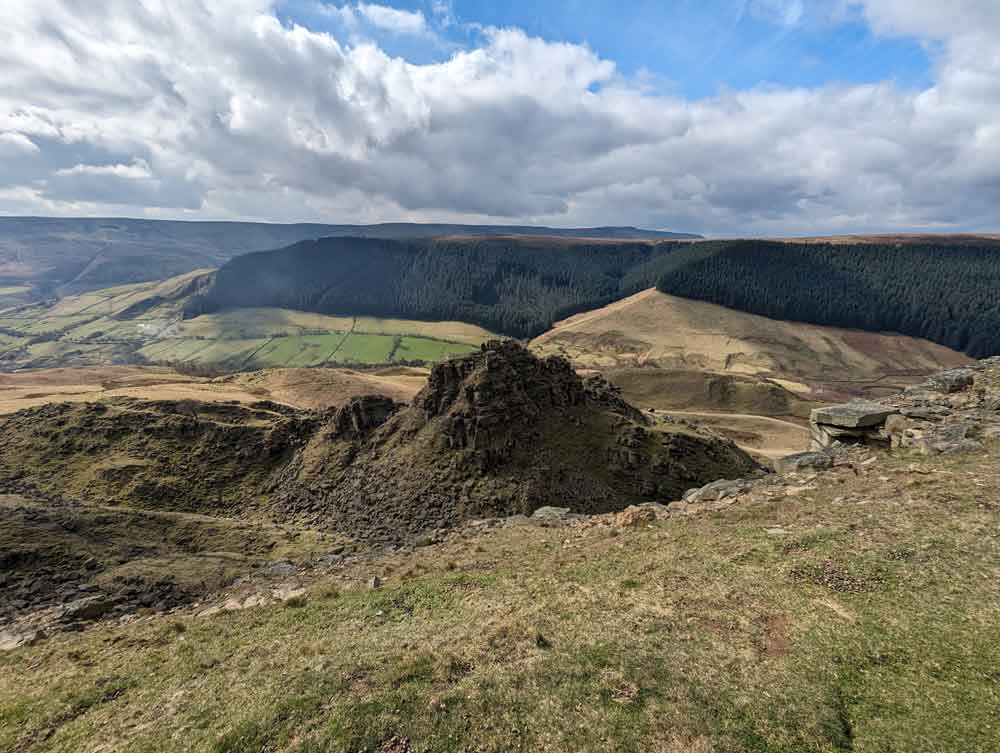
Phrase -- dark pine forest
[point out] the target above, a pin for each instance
(945, 292)
(516, 288)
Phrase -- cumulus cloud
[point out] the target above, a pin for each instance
(394, 20)
(187, 108)
(383, 18)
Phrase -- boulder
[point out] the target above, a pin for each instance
(10, 641)
(282, 569)
(86, 609)
(949, 440)
(951, 381)
(717, 490)
(551, 513)
(813, 461)
(635, 516)
(852, 415)
(850, 423)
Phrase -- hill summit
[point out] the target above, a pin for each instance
(498, 433)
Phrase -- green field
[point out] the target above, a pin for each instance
(424, 349)
(103, 325)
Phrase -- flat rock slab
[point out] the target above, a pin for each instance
(852, 415)
(801, 461)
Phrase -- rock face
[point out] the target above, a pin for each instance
(951, 412)
(852, 423)
(484, 402)
(494, 434)
(361, 415)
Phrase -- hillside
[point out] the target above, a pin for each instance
(946, 290)
(42, 255)
(517, 287)
(521, 287)
(847, 608)
(143, 324)
(308, 389)
(672, 353)
(496, 433)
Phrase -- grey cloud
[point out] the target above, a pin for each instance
(230, 113)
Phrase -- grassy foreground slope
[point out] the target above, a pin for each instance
(856, 614)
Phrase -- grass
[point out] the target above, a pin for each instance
(244, 338)
(365, 349)
(422, 349)
(867, 624)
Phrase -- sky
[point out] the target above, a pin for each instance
(724, 117)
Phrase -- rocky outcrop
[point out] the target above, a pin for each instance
(361, 415)
(851, 423)
(499, 433)
(486, 402)
(953, 411)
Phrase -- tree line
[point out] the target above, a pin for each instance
(948, 293)
(517, 288)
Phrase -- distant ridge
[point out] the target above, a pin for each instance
(73, 255)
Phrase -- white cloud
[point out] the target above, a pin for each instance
(138, 170)
(382, 18)
(444, 13)
(394, 20)
(219, 109)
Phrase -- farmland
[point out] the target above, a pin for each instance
(143, 323)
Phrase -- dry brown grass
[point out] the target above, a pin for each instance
(655, 329)
(302, 388)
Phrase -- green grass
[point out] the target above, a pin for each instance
(423, 349)
(314, 350)
(14, 290)
(225, 352)
(365, 349)
(870, 626)
(238, 339)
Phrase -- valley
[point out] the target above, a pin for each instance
(312, 523)
(818, 609)
(143, 323)
(440, 376)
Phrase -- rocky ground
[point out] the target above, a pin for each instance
(879, 550)
(497, 433)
